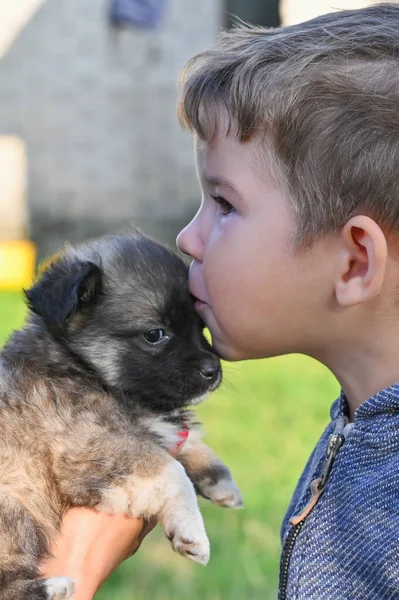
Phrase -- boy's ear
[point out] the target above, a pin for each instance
(63, 289)
(363, 261)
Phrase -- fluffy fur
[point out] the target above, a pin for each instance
(94, 392)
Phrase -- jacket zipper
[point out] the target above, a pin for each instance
(317, 487)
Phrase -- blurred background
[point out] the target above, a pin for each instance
(90, 144)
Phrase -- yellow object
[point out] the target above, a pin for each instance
(17, 264)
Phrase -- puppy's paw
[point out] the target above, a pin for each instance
(189, 539)
(59, 588)
(217, 485)
(224, 493)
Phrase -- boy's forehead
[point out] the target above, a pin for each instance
(225, 157)
(217, 160)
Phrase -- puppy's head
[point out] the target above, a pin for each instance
(122, 308)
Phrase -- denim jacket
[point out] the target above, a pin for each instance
(347, 546)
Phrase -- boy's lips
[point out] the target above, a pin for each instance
(198, 301)
(199, 304)
(198, 293)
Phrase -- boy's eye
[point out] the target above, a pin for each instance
(225, 207)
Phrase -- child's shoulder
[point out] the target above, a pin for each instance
(351, 531)
(352, 528)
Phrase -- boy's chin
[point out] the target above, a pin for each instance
(225, 348)
(227, 351)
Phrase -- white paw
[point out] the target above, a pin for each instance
(224, 493)
(59, 588)
(188, 537)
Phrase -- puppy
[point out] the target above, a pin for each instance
(94, 392)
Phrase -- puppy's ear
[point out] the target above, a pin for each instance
(63, 290)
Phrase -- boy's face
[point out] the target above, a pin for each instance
(258, 297)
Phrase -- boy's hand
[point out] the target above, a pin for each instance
(91, 545)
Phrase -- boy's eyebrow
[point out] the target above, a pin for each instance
(219, 181)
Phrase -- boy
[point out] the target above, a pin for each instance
(295, 249)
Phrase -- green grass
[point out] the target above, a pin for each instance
(263, 423)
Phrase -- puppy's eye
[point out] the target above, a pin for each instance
(154, 336)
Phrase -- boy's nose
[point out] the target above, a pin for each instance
(189, 242)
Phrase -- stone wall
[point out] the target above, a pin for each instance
(97, 113)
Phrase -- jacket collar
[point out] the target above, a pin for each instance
(385, 402)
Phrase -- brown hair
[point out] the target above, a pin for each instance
(326, 93)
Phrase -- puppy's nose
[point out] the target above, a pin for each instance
(209, 368)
